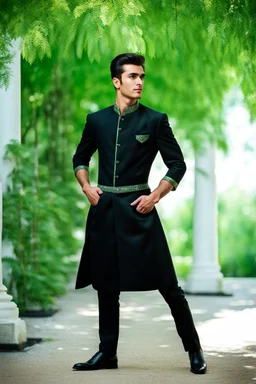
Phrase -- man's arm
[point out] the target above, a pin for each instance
(173, 159)
(81, 160)
(171, 152)
(163, 189)
(92, 193)
(146, 203)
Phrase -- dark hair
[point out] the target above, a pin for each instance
(116, 66)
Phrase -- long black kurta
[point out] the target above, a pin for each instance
(124, 249)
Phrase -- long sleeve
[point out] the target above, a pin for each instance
(85, 148)
(170, 152)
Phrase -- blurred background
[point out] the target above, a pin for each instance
(200, 70)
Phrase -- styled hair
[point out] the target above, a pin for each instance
(116, 66)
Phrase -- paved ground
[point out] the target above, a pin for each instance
(149, 349)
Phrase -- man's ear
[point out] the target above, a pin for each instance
(116, 82)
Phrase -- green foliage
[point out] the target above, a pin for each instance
(35, 43)
(180, 232)
(160, 28)
(237, 231)
(182, 265)
(34, 22)
(37, 222)
(5, 59)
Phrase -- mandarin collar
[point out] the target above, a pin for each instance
(127, 110)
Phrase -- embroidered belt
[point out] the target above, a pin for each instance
(124, 189)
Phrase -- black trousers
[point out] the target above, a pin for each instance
(174, 297)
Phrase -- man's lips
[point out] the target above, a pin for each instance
(138, 90)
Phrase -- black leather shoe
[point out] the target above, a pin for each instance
(197, 362)
(98, 361)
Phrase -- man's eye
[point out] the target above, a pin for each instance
(132, 77)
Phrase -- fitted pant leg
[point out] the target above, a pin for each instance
(175, 298)
(108, 321)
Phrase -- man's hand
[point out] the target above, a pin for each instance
(144, 203)
(92, 193)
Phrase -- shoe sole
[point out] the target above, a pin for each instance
(106, 366)
(198, 372)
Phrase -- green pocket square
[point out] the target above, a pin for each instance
(142, 138)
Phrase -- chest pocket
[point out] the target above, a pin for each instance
(142, 138)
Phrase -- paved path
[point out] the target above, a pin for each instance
(150, 351)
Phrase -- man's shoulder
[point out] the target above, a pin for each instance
(151, 112)
(102, 112)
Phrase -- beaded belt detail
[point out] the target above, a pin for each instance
(124, 189)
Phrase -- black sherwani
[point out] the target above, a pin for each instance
(125, 250)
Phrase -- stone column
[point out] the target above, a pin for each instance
(12, 328)
(205, 276)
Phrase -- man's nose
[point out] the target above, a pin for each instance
(139, 81)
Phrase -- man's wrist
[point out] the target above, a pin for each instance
(155, 196)
(85, 186)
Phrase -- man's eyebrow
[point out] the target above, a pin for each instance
(137, 74)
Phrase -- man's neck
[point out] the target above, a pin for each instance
(122, 104)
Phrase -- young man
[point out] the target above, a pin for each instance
(125, 247)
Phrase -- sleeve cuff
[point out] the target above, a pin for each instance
(171, 181)
(81, 167)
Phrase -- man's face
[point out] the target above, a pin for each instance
(132, 81)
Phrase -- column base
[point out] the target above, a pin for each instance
(20, 347)
(204, 281)
(13, 333)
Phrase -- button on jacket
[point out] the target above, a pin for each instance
(126, 250)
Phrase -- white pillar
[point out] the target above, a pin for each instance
(12, 328)
(205, 276)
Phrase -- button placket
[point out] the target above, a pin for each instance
(118, 145)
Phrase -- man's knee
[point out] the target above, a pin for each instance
(108, 296)
(173, 293)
